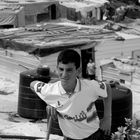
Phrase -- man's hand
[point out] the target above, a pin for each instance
(51, 111)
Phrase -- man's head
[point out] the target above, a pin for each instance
(68, 66)
(69, 56)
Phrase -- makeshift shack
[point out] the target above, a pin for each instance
(38, 11)
(125, 70)
(11, 15)
(20, 13)
(80, 10)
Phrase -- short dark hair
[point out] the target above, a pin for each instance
(69, 56)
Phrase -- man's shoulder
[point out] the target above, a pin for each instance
(55, 80)
(93, 83)
(53, 85)
(88, 82)
(56, 83)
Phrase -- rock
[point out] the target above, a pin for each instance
(7, 86)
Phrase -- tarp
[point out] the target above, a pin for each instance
(84, 6)
(8, 19)
(50, 38)
(48, 48)
(11, 15)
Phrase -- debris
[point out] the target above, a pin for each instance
(7, 86)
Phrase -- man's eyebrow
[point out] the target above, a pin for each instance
(60, 68)
(69, 68)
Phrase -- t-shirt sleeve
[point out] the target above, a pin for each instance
(101, 89)
(47, 92)
(40, 89)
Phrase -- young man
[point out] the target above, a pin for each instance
(74, 100)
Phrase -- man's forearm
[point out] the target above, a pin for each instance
(108, 102)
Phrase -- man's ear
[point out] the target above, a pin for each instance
(79, 71)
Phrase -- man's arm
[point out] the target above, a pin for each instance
(106, 121)
(32, 85)
(51, 111)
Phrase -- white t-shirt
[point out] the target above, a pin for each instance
(91, 68)
(78, 118)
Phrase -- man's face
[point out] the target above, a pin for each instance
(67, 74)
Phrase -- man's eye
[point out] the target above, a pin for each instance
(60, 69)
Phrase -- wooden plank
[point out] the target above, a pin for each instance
(19, 137)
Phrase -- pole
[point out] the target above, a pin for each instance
(49, 127)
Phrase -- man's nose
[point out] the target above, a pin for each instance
(64, 73)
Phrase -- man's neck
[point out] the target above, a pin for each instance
(70, 89)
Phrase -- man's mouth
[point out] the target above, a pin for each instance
(64, 79)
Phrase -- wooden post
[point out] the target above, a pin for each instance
(49, 127)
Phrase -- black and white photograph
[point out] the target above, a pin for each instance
(69, 69)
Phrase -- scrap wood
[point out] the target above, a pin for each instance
(19, 137)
